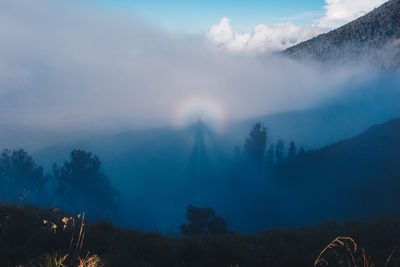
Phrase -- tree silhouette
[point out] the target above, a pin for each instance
(81, 186)
(217, 226)
(292, 152)
(21, 179)
(203, 221)
(256, 143)
(279, 151)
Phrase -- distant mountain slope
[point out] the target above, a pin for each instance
(352, 112)
(356, 178)
(374, 37)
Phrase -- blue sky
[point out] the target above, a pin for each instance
(195, 16)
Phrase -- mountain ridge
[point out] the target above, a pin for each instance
(372, 38)
(356, 178)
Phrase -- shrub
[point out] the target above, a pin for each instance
(203, 221)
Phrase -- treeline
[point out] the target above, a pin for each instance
(77, 186)
(259, 149)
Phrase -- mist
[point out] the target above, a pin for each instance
(66, 64)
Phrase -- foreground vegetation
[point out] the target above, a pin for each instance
(31, 236)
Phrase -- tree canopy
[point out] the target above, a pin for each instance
(82, 185)
(203, 221)
(256, 143)
(20, 178)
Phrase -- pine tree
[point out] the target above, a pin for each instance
(279, 151)
(256, 143)
(292, 152)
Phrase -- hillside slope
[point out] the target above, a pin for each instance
(356, 178)
(374, 38)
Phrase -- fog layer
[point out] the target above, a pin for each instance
(69, 65)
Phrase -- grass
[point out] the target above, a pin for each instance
(55, 227)
(75, 245)
(347, 253)
(54, 260)
(31, 236)
(352, 255)
(49, 260)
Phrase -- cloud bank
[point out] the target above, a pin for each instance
(339, 12)
(277, 37)
(264, 38)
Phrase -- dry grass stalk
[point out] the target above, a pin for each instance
(81, 236)
(90, 261)
(52, 261)
(72, 235)
(390, 256)
(354, 256)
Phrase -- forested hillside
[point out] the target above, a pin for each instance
(373, 38)
(349, 179)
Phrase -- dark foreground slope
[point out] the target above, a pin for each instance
(25, 238)
(350, 179)
(373, 38)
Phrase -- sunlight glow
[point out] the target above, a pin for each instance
(205, 109)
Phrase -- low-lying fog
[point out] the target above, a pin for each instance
(74, 76)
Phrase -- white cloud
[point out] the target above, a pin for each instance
(279, 36)
(339, 12)
(264, 38)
